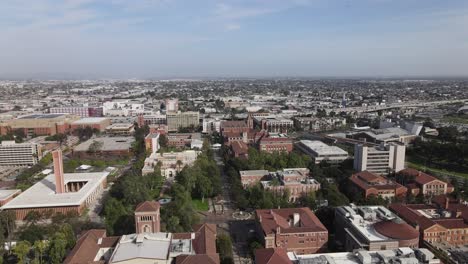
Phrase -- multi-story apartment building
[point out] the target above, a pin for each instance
(176, 120)
(419, 182)
(19, 154)
(294, 229)
(82, 111)
(380, 159)
(275, 144)
(367, 184)
(320, 151)
(444, 220)
(372, 228)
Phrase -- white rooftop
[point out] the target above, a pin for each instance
(108, 143)
(322, 149)
(4, 194)
(42, 194)
(145, 246)
(89, 120)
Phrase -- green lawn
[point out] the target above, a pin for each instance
(199, 205)
(435, 170)
(455, 119)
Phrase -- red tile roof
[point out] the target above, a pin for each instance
(419, 176)
(271, 256)
(88, 245)
(271, 219)
(148, 206)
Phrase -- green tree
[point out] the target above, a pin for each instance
(39, 249)
(57, 248)
(67, 230)
(21, 250)
(224, 248)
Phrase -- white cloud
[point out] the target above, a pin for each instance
(232, 26)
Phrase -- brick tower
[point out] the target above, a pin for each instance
(147, 217)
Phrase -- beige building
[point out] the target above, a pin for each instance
(19, 154)
(380, 159)
(176, 120)
(39, 124)
(171, 162)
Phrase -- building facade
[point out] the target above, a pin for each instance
(381, 159)
(372, 228)
(271, 144)
(19, 154)
(294, 229)
(369, 184)
(82, 111)
(177, 120)
(320, 151)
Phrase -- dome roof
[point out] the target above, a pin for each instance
(395, 230)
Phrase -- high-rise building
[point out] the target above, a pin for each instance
(172, 105)
(380, 159)
(176, 120)
(19, 154)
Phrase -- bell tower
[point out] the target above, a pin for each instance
(147, 217)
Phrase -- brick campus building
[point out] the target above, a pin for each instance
(295, 229)
(59, 192)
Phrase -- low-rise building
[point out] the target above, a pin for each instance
(170, 162)
(39, 124)
(98, 123)
(120, 129)
(8, 195)
(152, 142)
(182, 140)
(400, 255)
(19, 154)
(372, 228)
(59, 192)
(381, 159)
(82, 111)
(275, 144)
(368, 184)
(104, 148)
(294, 229)
(320, 151)
(148, 244)
(419, 182)
(444, 220)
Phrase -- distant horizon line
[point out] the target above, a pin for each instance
(246, 77)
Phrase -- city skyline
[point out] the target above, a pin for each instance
(79, 39)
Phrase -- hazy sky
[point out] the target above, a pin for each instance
(161, 38)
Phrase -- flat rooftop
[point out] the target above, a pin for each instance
(42, 194)
(41, 116)
(321, 148)
(89, 120)
(254, 173)
(108, 143)
(145, 246)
